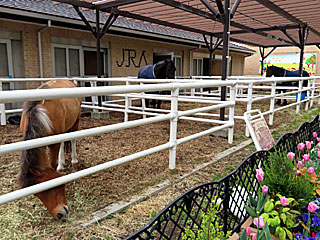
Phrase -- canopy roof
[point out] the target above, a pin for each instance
(264, 23)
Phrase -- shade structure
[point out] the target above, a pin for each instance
(264, 23)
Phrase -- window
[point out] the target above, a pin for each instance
(178, 64)
(67, 61)
(6, 68)
(197, 68)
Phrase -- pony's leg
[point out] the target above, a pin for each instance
(54, 153)
(61, 159)
(74, 152)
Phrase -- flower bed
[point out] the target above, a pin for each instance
(231, 193)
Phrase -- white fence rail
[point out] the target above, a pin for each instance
(173, 116)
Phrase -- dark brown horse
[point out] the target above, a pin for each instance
(40, 119)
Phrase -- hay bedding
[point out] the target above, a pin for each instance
(96, 191)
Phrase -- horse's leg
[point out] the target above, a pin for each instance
(54, 152)
(74, 152)
(159, 104)
(61, 159)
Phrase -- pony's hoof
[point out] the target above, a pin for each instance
(60, 168)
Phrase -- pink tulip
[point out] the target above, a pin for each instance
(312, 142)
(298, 173)
(264, 189)
(299, 164)
(259, 222)
(283, 201)
(301, 146)
(306, 157)
(259, 174)
(248, 231)
(312, 207)
(310, 170)
(308, 145)
(318, 139)
(318, 153)
(254, 236)
(291, 155)
(315, 134)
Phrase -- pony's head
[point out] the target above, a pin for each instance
(55, 198)
(170, 69)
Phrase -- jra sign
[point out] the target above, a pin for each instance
(129, 56)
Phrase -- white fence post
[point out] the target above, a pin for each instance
(308, 95)
(231, 113)
(312, 92)
(94, 99)
(249, 104)
(126, 107)
(272, 100)
(2, 110)
(299, 97)
(143, 104)
(173, 128)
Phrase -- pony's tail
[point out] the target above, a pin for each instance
(38, 125)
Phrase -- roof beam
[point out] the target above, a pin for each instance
(196, 11)
(266, 29)
(234, 7)
(285, 14)
(187, 8)
(78, 3)
(159, 22)
(115, 3)
(211, 8)
(290, 37)
(85, 20)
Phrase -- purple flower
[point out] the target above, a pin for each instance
(305, 217)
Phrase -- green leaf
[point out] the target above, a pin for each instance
(283, 217)
(285, 209)
(290, 223)
(290, 200)
(251, 212)
(277, 203)
(295, 212)
(289, 234)
(265, 216)
(282, 234)
(277, 231)
(279, 195)
(268, 206)
(267, 232)
(243, 235)
(252, 201)
(274, 213)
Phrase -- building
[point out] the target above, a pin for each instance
(41, 38)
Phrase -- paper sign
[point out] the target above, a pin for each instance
(262, 133)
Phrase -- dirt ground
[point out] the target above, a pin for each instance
(27, 218)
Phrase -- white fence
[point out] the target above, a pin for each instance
(173, 116)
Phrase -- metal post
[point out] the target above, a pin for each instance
(262, 59)
(143, 103)
(307, 97)
(272, 100)
(173, 127)
(126, 108)
(98, 52)
(2, 110)
(299, 97)
(312, 92)
(249, 104)
(225, 57)
(231, 113)
(302, 35)
(226, 205)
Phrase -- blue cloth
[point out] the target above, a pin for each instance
(147, 72)
(291, 73)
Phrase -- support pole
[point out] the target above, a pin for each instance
(98, 52)
(302, 38)
(225, 57)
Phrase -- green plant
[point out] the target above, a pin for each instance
(210, 228)
(281, 216)
(281, 178)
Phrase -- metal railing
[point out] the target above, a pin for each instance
(173, 116)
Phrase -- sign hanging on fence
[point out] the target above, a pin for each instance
(259, 131)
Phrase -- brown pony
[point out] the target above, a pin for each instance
(40, 119)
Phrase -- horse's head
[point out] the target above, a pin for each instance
(55, 198)
(170, 69)
(269, 71)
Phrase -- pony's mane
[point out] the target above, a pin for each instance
(38, 125)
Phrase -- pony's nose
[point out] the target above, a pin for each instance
(63, 214)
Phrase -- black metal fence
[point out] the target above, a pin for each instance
(232, 191)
